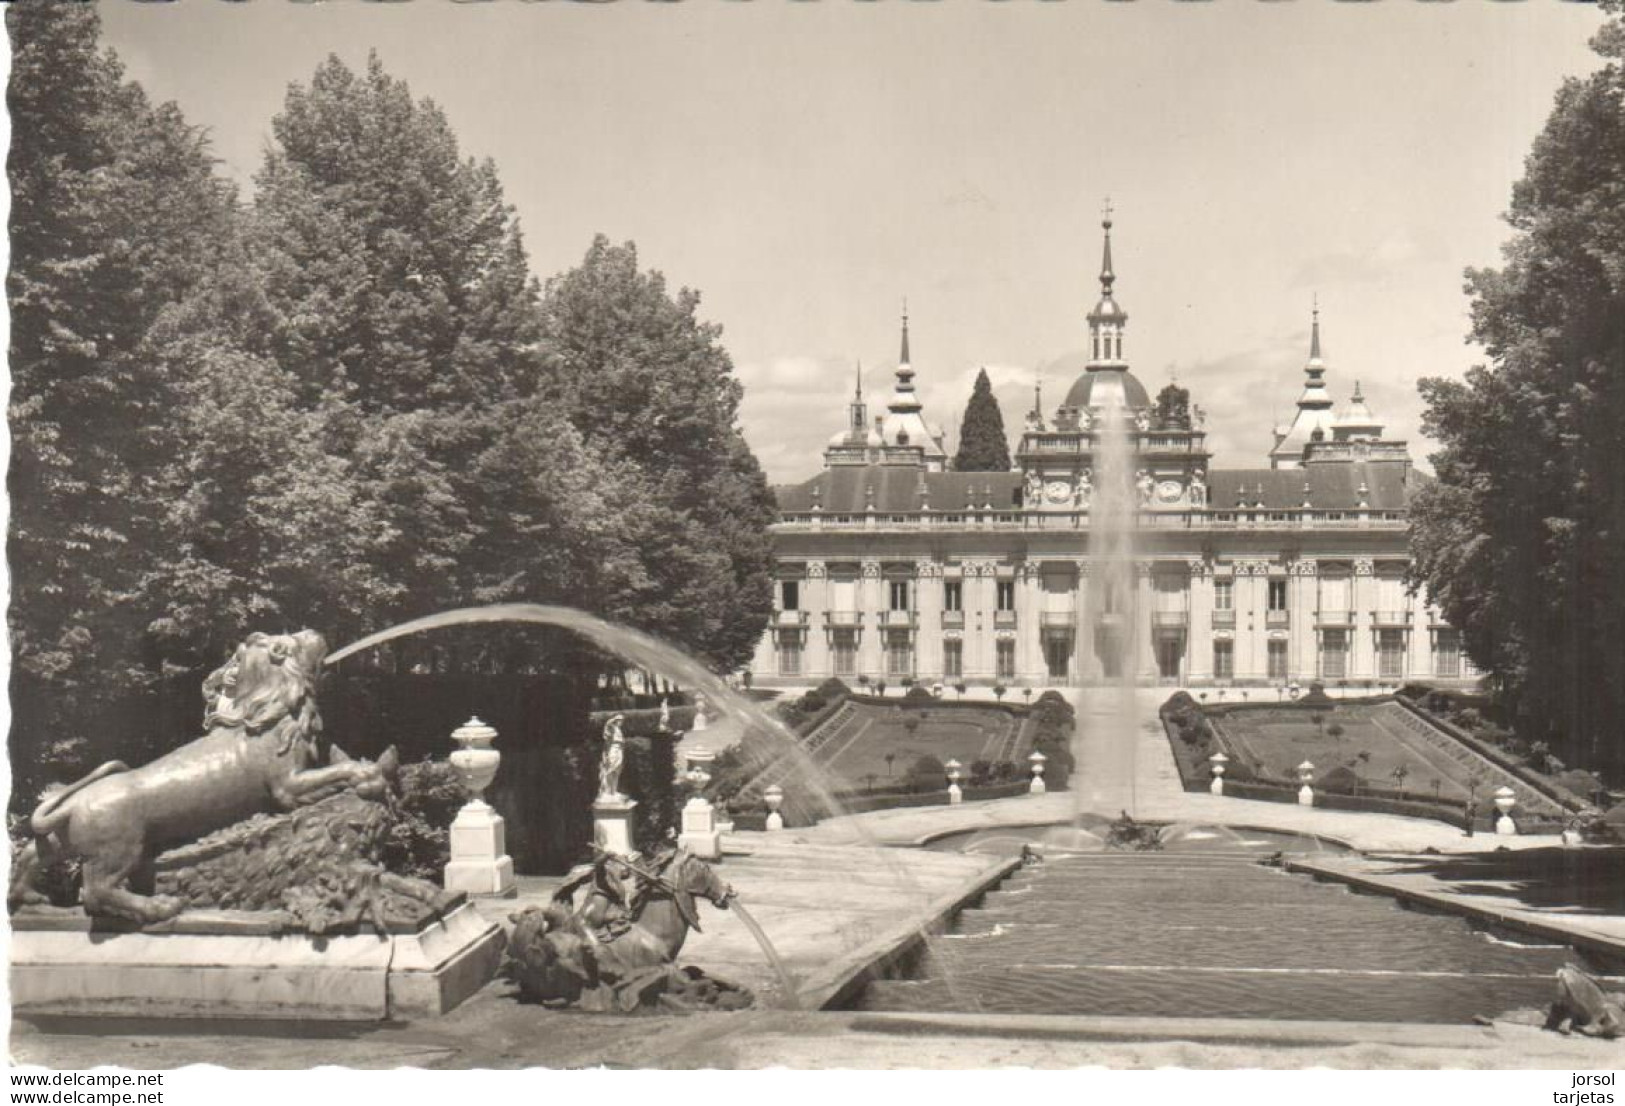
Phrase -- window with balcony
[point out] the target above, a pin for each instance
(1224, 660)
(790, 654)
(1004, 660)
(845, 645)
(953, 659)
(899, 654)
(953, 595)
(1390, 654)
(1334, 654)
(1224, 594)
(899, 595)
(790, 595)
(1277, 660)
(1447, 653)
(1005, 595)
(1277, 595)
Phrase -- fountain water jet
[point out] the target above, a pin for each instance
(1112, 623)
(657, 656)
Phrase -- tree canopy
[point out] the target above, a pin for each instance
(982, 444)
(1521, 541)
(346, 404)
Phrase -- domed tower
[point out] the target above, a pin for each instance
(1314, 409)
(1058, 463)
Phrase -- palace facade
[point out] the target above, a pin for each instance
(893, 566)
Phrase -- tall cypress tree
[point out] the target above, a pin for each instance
(982, 444)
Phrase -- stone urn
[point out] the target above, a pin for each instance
(1306, 776)
(1505, 800)
(476, 761)
(1036, 761)
(1217, 761)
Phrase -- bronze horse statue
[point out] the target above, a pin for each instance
(616, 948)
(262, 752)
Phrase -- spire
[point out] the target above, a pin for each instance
(1314, 334)
(1106, 274)
(903, 358)
(857, 391)
(1107, 320)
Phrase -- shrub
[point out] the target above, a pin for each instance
(918, 694)
(833, 688)
(419, 843)
(812, 703)
(1341, 780)
(927, 774)
(980, 770)
(1006, 770)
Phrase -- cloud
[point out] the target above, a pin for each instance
(1364, 266)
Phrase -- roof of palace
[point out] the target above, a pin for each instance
(843, 489)
(1389, 486)
(1097, 387)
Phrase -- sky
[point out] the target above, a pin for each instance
(808, 165)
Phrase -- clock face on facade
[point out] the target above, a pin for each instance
(1169, 490)
(1058, 491)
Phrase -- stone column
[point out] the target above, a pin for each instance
(1144, 647)
(1029, 629)
(1252, 617)
(818, 661)
(872, 602)
(928, 620)
(1363, 649)
(1199, 631)
(1305, 599)
(1086, 662)
(1421, 643)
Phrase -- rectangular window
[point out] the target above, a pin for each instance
(953, 659)
(1224, 594)
(1277, 660)
(846, 652)
(899, 595)
(953, 595)
(1334, 654)
(1447, 653)
(1006, 595)
(790, 595)
(1005, 659)
(1277, 599)
(1224, 660)
(1390, 654)
(790, 654)
(899, 654)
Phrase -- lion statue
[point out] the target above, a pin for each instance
(262, 752)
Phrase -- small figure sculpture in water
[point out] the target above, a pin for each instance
(1085, 489)
(262, 753)
(665, 715)
(1581, 1005)
(1146, 485)
(609, 769)
(614, 948)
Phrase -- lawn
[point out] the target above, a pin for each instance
(1281, 739)
(965, 734)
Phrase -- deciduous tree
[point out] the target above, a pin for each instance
(1521, 541)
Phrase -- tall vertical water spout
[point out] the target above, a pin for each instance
(1107, 730)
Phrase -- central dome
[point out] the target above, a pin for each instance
(1107, 388)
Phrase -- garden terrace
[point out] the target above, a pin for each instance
(1372, 750)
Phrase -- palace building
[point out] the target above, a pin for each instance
(891, 565)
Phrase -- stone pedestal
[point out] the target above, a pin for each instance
(1306, 796)
(1506, 827)
(612, 823)
(1037, 786)
(955, 795)
(1217, 786)
(480, 864)
(241, 964)
(700, 835)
